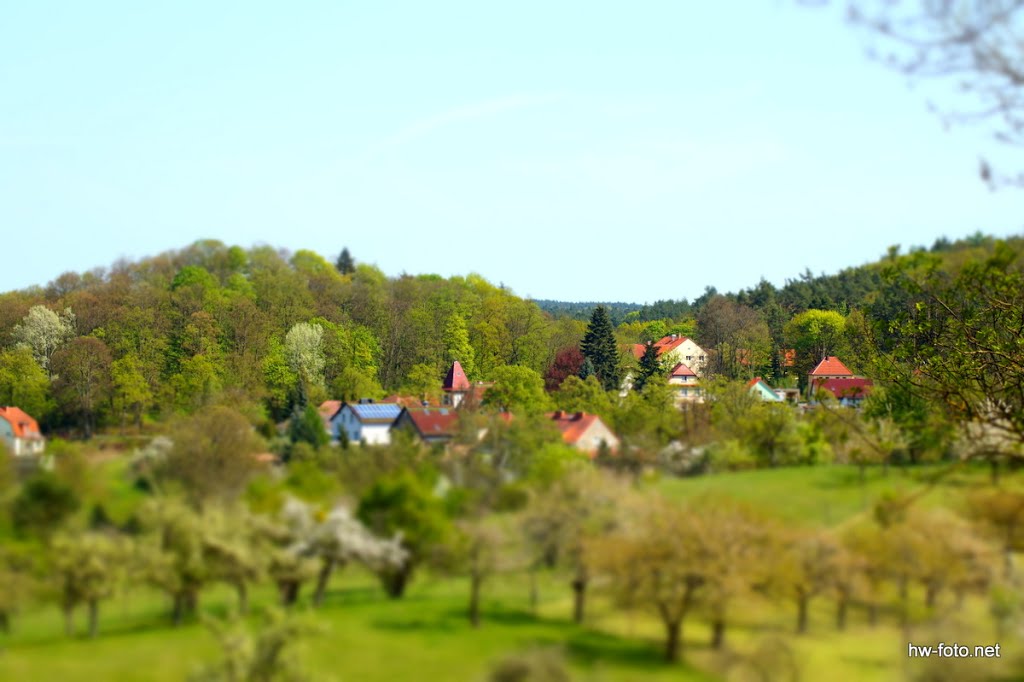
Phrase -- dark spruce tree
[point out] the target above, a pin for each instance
(586, 369)
(345, 264)
(650, 366)
(600, 348)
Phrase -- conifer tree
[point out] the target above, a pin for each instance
(599, 347)
(650, 366)
(345, 264)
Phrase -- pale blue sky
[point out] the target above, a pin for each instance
(582, 151)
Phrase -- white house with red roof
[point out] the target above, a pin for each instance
(686, 384)
(673, 349)
(833, 376)
(585, 432)
(20, 433)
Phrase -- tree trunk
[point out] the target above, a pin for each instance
(5, 622)
(579, 590)
(178, 609)
(931, 591)
(289, 590)
(243, 597)
(673, 641)
(717, 634)
(475, 581)
(322, 579)
(801, 614)
(904, 598)
(69, 621)
(395, 582)
(534, 592)
(192, 602)
(94, 618)
(994, 470)
(841, 611)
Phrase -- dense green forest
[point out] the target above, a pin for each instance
(168, 334)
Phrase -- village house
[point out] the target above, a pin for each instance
(833, 376)
(365, 422)
(760, 389)
(585, 432)
(430, 424)
(686, 385)
(673, 349)
(20, 433)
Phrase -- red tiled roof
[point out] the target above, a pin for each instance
(456, 379)
(329, 408)
(681, 370)
(831, 366)
(434, 421)
(856, 387)
(573, 424)
(753, 382)
(661, 346)
(22, 425)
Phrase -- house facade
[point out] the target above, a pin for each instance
(673, 349)
(585, 432)
(760, 389)
(685, 384)
(429, 424)
(365, 422)
(20, 433)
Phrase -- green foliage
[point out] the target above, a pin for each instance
(583, 395)
(648, 367)
(306, 426)
(815, 334)
(518, 389)
(42, 505)
(457, 346)
(600, 348)
(23, 382)
(266, 653)
(404, 504)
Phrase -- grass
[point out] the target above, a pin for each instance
(367, 637)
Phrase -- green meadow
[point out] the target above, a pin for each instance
(362, 635)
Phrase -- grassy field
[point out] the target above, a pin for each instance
(364, 636)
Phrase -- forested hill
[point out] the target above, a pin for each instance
(264, 330)
(851, 288)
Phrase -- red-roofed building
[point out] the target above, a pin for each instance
(674, 349)
(584, 431)
(327, 410)
(830, 368)
(20, 433)
(686, 385)
(849, 391)
(456, 385)
(429, 424)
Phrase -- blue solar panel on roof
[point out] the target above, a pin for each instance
(377, 411)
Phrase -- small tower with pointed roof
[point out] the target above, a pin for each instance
(456, 385)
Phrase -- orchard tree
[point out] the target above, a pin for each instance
(88, 568)
(212, 455)
(405, 505)
(600, 348)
